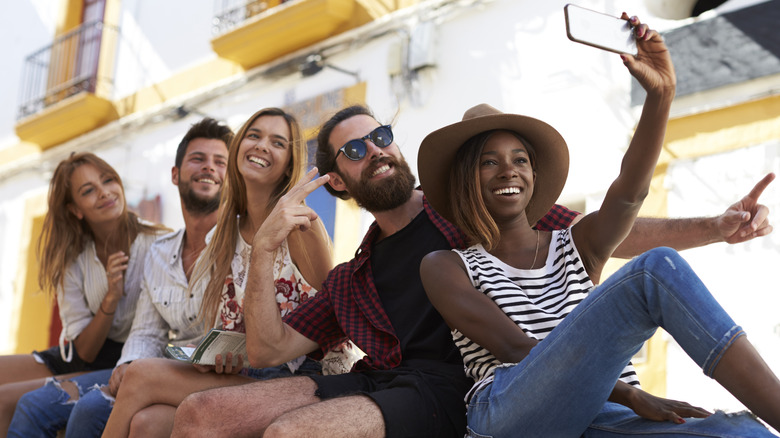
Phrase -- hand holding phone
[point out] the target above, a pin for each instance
(599, 30)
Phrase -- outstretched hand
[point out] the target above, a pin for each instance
(652, 66)
(289, 213)
(655, 408)
(746, 218)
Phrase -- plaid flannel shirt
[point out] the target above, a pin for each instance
(348, 305)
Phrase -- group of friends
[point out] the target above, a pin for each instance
(474, 304)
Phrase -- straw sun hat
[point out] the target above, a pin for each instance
(438, 150)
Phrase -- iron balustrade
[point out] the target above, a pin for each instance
(229, 14)
(66, 67)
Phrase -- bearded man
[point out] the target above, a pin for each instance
(411, 381)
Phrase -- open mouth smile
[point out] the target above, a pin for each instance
(380, 170)
(259, 161)
(506, 191)
(207, 181)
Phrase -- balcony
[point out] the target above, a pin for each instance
(252, 33)
(65, 86)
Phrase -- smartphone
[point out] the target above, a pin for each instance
(179, 353)
(599, 30)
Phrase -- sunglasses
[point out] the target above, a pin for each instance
(356, 149)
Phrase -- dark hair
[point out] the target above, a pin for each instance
(468, 206)
(207, 128)
(326, 157)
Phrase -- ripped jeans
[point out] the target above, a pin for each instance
(43, 412)
(47, 410)
(561, 388)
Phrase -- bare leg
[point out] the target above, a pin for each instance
(257, 405)
(10, 393)
(744, 373)
(21, 367)
(355, 416)
(156, 421)
(149, 382)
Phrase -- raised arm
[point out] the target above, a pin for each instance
(270, 341)
(744, 220)
(311, 251)
(87, 331)
(468, 310)
(598, 234)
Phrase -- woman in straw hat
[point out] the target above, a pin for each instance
(493, 175)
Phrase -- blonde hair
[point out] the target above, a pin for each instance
(64, 235)
(219, 253)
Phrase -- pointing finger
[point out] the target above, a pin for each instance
(761, 186)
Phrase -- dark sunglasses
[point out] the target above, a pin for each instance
(356, 149)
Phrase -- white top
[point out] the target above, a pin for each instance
(536, 300)
(167, 310)
(85, 285)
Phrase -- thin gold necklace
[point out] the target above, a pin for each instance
(536, 253)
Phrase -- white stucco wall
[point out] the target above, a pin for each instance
(743, 278)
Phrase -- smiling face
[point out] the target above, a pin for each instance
(264, 151)
(201, 175)
(506, 176)
(97, 196)
(380, 181)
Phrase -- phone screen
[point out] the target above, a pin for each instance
(599, 30)
(180, 353)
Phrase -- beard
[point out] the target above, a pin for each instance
(386, 194)
(195, 204)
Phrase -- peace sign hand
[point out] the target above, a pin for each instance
(289, 213)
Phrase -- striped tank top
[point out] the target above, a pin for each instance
(536, 300)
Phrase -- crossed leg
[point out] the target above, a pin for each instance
(276, 408)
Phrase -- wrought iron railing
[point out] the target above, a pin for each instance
(229, 14)
(66, 67)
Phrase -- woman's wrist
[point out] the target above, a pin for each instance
(107, 313)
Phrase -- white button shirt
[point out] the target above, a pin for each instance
(167, 309)
(85, 285)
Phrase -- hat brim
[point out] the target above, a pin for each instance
(438, 150)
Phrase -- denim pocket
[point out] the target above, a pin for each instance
(471, 434)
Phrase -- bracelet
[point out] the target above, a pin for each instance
(106, 313)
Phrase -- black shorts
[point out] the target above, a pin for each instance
(415, 402)
(106, 358)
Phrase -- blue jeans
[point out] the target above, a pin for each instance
(41, 413)
(561, 388)
(45, 411)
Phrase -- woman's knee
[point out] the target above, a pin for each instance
(53, 391)
(143, 372)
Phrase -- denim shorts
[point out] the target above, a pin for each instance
(308, 367)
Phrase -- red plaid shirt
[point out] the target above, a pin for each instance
(348, 305)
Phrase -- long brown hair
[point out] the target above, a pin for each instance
(468, 206)
(64, 235)
(218, 255)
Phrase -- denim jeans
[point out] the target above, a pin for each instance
(45, 411)
(41, 413)
(561, 388)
